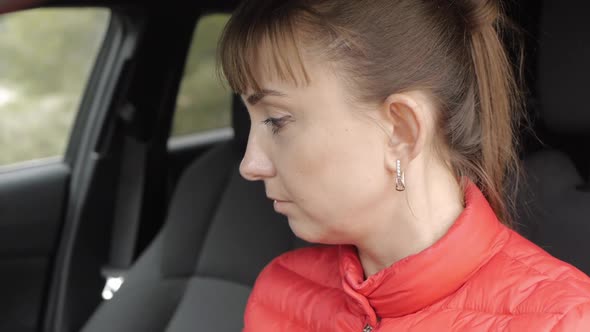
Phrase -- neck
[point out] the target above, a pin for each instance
(424, 213)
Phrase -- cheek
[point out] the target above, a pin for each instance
(334, 174)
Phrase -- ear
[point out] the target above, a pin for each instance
(407, 121)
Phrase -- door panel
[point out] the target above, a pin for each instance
(31, 207)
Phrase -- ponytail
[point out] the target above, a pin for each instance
(497, 103)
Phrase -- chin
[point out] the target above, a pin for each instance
(307, 232)
(300, 230)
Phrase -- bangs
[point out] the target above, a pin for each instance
(256, 45)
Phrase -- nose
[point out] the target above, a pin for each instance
(256, 164)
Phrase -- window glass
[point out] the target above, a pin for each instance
(204, 102)
(46, 56)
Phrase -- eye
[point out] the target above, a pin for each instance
(276, 124)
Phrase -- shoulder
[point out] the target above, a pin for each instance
(576, 319)
(535, 266)
(523, 279)
(312, 271)
(307, 268)
(316, 266)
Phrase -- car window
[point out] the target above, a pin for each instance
(46, 56)
(204, 101)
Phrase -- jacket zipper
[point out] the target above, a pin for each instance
(368, 328)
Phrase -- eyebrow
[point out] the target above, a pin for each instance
(254, 98)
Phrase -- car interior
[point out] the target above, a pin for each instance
(174, 218)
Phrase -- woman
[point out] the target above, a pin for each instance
(384, 129)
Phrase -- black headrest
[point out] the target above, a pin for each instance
(241, 123)
(564, 66)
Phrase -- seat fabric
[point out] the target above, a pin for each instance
(554, 206)
(197, 274)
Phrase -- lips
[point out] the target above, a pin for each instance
(279, 205)
(277, 200)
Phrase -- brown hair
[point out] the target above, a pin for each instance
(451, 49)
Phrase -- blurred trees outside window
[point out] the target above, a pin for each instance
(46, 56)
(204, 102)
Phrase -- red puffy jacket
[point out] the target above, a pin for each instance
(481, 276)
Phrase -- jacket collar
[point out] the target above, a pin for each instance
(420, 280)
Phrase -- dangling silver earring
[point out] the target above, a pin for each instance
(400, 183)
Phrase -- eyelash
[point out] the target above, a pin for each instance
(276, 123)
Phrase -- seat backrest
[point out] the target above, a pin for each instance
(555, 208)
(220, 232)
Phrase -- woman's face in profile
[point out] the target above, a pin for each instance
(321, 158)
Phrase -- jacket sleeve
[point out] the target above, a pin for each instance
(577, 319)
